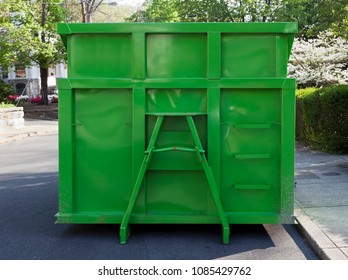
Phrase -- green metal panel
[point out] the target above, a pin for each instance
(176, 100)
(255, 60)
(250, 149)
(176, 191)
(176, 55)
(101, 167)
(176, 123)
(139, 56)
(96, 61)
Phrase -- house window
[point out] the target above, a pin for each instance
(20, 71)
(20, 88)
(52, 71)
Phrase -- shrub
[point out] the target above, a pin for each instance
(12, 98)
(322, 118)
(52, 98)
(36, 99)
(5, 91)
(3, 105)
(301, 113)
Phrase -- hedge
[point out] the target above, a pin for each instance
(322, 118)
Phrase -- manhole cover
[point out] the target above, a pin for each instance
(343, 165)
(331, 174)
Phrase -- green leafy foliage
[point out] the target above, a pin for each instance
(28, 35)
(313, 16)
(322, 118)
(206, 10)
(71, 10)
(5, 91)
(157, 11)
(24, 37)
(5, 105)
(316, 16)
(330, 15)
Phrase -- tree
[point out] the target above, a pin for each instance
(316, 16)
(330, 15)
(300, 11)
(96, 11)
(208, 10)
(313, 16)
(72, 11)
(319, 62)
(28, 35)
(156, 11)
(88, 7)
(204, 11)
(110, 12)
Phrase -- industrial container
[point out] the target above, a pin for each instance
(188, 123)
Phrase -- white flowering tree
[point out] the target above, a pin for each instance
(319, 62)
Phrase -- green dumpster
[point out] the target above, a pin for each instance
(189, 123)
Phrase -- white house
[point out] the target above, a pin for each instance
(26, 80)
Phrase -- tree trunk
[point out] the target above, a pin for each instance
(88, 7)
(44, 87)
(44, 70)
(83, 10)
(86, 10)
(88, 17)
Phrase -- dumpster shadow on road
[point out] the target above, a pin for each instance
(29, 202)
(171, 242)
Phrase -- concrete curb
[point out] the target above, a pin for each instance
(316, 237)
(28, 131)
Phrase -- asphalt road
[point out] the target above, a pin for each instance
(29, 201)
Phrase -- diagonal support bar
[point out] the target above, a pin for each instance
(155, 132)
(211, 181)
(124, 229)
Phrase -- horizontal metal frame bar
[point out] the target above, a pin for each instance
(170, 218)
(180, 27)
(175, 114)
(252, 187)
(262, 83)
(251, 156)
(176, 149)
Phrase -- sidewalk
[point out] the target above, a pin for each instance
(31, 128)
(321, 201)
(321, 193)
